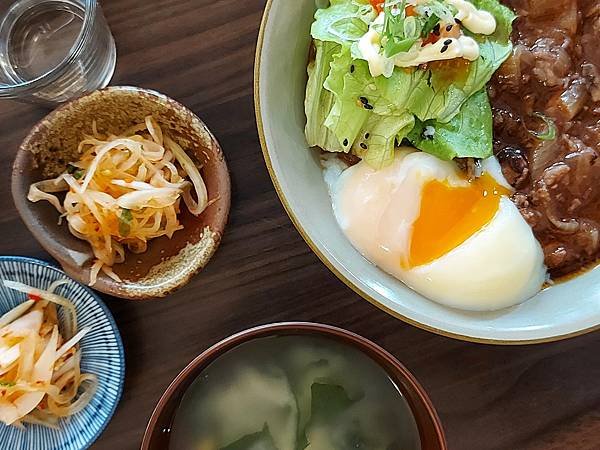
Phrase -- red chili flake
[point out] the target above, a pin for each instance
(34, 297)
(431, 39)
(377, 5)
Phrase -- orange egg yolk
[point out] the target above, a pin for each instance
(451, 215)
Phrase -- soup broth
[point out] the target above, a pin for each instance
(294, 393)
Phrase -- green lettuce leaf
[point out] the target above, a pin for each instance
(344, 103)
(468, 134)
(346, 81)
(343, 22)
(439, 92)
(504, 19)
(353, 119)
(319, 101)
(379, 137)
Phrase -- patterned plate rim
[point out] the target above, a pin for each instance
(114, 327)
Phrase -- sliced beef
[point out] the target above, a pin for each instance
(553, 77)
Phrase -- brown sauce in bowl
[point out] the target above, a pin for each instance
(553, 77)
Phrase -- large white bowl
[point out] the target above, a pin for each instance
(565, 310)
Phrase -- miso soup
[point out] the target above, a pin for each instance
(294, 393)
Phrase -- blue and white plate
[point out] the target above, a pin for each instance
(102, 355)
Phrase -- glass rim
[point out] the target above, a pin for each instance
(89, 15)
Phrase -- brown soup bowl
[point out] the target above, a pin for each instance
(432, 437)
(168, 263)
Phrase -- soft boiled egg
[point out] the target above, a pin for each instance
(458, 242)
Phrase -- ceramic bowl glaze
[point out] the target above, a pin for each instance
(102, 355)
(168, 263)
(428, 423)
(562, 311)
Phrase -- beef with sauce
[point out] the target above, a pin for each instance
(553, 80)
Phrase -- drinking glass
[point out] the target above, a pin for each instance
(53, 50)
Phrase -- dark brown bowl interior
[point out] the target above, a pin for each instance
(52, 143)
(430, 429)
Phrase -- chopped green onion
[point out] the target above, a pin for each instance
(410, 28)
(400, 33)
(395, 46)
(77, 172)
(125, 219)
(550, 133)
(430, 25)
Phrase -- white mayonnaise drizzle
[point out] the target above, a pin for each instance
(476, 21)
(463, 47)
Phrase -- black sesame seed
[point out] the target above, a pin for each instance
(436, 30)
(449, 27)
(367, 106)
(364, 100)
(367, 135)
(363, 146)
(458, 22)
(345, 142)
(444, 48)
(448, 42)
(352, 68)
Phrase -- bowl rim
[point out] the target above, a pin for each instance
(324, 259)
(22, 205)
(362, 344)
(113, 325)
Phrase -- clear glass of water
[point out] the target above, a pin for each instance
(53, 50)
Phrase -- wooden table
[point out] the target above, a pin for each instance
(201, 52)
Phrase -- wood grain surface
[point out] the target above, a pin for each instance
(201, 52)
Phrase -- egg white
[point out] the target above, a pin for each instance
(499, 266)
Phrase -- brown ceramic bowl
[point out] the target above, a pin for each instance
(168, 263)
(431, 433)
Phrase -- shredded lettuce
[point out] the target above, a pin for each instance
(344, 103)
(343, 22)
(319, 101)
(380, 136)
(346, 119)
(346, 81)
(468, 134)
